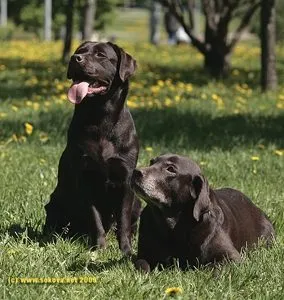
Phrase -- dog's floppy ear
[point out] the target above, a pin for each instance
(200, 192)
(127, 64)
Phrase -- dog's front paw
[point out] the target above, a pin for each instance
(101, 242)
(142, 265)
(126, 249)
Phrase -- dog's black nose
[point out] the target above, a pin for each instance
(77, 57)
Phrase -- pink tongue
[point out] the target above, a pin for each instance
(77, 92)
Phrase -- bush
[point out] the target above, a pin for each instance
(6, 33)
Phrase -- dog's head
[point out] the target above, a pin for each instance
(172, 183)
(95, 67)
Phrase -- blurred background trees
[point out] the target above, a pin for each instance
(213, 26)
(215, 45)
(29, 15)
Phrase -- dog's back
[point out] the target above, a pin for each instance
(243, 220)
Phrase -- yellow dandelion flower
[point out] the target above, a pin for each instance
(42, 161)
(215, 97)
(172, 291)
(43, 137)
(36, 106)
(255, 158)
(15, 108)
(63, 97)
(132, 104)
(60, 87)
(29, 128)
(149, 149)
(155, 89)
(168, 102)
(279, 152)
(177, 98)
(3, 115)
(189, 87)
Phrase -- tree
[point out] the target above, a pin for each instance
(69, 31)
(155, 13)
(47, 19)
(89, 19)
(268, 37)
(3, 9)
(216, 46)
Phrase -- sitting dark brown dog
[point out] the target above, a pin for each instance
(96, 167)
(188, 221)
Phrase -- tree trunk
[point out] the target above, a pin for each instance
(47, 20)
(217, 57)
(155, 13)
(218, 64)
(268, 36)
(3, 10)
(69, 31)
(89, 18)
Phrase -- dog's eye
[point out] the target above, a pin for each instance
(100, 54)
(171, 169)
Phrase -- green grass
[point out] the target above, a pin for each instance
(229, 127)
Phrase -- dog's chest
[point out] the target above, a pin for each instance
(97, 152)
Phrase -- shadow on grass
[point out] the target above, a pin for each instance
(174, 129)
(13, 80)
(198, 76)
(98, 266)
(203, 131)
(18, 231)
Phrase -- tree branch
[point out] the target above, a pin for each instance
(243, 25)
(172, 6)
(210, 13)
(190, 8)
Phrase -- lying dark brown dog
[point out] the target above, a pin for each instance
(188, 221)
(96, 166)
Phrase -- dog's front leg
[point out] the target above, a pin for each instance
(97, 232)
(123, 217)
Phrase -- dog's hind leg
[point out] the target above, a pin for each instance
(56, 215)
(220, 249)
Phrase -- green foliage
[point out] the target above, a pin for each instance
(105, 13)
(30, 14)
(31, 18)
(6, 33)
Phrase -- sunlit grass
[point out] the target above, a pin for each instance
(229, 127)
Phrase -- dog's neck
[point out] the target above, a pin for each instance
(100, 112)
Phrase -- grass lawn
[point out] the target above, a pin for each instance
(232, 130)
